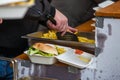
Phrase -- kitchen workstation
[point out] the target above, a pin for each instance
(91, 53)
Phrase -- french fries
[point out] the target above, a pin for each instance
(86, 40)
(60, 50)
(50, 35)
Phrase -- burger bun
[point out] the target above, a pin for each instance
(46, 48)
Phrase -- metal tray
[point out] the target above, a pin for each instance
(87, 47)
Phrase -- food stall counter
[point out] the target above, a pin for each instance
(85, 27)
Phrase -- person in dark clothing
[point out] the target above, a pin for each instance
(77, 11)
(12, 30)
(11, 43)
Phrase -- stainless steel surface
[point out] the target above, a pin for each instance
(89, 35)
(44, 71)
(36, 78)
(87, 47)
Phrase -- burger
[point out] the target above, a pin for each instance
(42, 49)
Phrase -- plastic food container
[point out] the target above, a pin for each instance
(14, 11)
(46, 60)
(85, 57)
(42, 59)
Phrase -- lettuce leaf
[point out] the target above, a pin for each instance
(32, 51)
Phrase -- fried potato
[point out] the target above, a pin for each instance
(60, 50)
(50, 35)
(86, 40)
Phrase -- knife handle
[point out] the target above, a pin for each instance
(51, 19)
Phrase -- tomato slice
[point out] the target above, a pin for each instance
(77, 51)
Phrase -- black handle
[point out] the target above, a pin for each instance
(51, 19)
